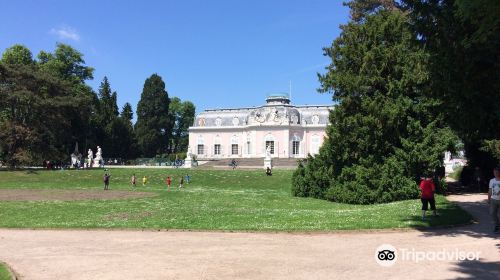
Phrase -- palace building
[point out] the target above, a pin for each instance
(289, 131)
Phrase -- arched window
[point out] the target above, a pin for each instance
(234, 145)
(201, 147)
(249, 144)
(269, 142)
(295, 144)
(314, 144)
(217, 146)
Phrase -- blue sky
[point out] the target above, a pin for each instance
(214, 53)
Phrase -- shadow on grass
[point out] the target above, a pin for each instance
(478, 269)
(458, 218)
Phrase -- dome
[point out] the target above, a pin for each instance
(278, 99)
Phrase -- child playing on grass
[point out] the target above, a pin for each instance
(169, 182)
(144, 181)
(427, 189)
(106, 180)
(181, 182)
(133, 179)
(187, 178)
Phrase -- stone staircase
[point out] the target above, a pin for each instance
(251, 163)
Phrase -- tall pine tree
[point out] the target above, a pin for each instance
(154, 127)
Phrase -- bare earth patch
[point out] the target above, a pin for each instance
(67, 195)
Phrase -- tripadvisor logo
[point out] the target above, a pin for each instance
(386, 255)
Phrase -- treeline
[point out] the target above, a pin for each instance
(412, 79)
(46, 107)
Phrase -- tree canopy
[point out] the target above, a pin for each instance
(46, 106)
(384, 132)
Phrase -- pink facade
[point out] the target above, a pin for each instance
(289, 131)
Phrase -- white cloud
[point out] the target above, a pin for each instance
(66, 32)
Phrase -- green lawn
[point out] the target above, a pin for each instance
(4, 273)
(215, 200)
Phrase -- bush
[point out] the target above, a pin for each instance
(356, 184)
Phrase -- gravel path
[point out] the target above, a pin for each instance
(100, 254)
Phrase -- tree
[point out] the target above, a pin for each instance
(182, 116)
(17, 54)
(463, 41)
(384, 133)
(153, 127)
(108, 109)
(67, 64)
(127, 112)
(36, 107)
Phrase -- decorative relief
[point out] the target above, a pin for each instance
(218, 122)
(201, 122)
(315, 119)
(236, 121)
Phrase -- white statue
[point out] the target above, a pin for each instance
(268, 152)
(98, 157)
(76, 157)
(90, 157)
(189, 154)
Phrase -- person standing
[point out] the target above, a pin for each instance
(181, 182)
(133, 180)
(269, 171)
(494, 198)
(169, 182)
(187, 178)
(106, 180)
(144, 181)
(427, 189)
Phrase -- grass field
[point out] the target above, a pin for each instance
(214, 200)
(4, 273)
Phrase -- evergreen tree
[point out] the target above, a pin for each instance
(108, 109)
(127, 112)
(463, 40)
(154, 127)
(384, 133)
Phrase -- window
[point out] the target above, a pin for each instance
(295, 147)
(217, 149)
(314, 144)
(200, 149)
(234, 149)
(271, 145)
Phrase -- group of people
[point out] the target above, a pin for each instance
(428, 189)
(168, 181)
(133, 180)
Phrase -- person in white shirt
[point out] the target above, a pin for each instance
(494, 198)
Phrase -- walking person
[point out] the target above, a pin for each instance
(133, 181)
(144, 181)
(187, 178)
(269, 172)
(106, 180)
(181, 182)
(494, 198)
(169, 182)
(427, 189)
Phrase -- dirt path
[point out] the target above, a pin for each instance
(76, 254)
(67, 195)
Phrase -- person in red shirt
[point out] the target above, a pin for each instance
(169, 182)
(427, 189)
